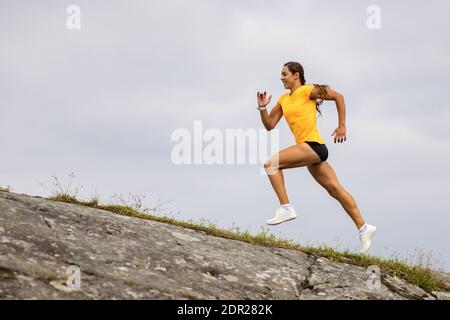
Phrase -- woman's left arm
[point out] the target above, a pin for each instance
(324, 92)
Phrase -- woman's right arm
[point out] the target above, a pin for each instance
(269, 121)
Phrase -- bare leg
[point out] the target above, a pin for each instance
(277, 181)
(324, 174)
(349, 205)
(298, 155)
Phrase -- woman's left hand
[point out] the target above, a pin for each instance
(340, 133)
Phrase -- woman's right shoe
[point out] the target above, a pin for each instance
(282, 215)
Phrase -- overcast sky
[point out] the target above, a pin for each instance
(103, 101)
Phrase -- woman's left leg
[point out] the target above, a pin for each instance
(324, 174)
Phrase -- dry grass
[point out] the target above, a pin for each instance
(8, 188)
(419, 273)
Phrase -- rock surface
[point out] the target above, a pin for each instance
(122, 257)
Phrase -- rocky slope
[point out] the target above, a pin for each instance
(121, 257)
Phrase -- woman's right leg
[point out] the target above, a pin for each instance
(298, 155)
(277, 181)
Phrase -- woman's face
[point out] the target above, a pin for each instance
(288, 78)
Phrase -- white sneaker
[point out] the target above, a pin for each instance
(282, 215)
(366, 237)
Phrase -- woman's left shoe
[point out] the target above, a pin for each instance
(366, 238)
(282, 215)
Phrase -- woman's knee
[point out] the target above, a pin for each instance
(272, 163)
(334, 189)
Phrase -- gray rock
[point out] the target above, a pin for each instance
(441, 295)
(122, 257)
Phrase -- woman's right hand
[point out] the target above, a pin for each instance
(262, 99)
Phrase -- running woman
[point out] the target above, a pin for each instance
(299, 108)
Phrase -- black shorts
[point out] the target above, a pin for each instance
(320, 149)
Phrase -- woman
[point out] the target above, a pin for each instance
(299, 109)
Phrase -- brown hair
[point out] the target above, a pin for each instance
(297, 67)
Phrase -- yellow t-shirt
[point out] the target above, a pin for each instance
(300, 113)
